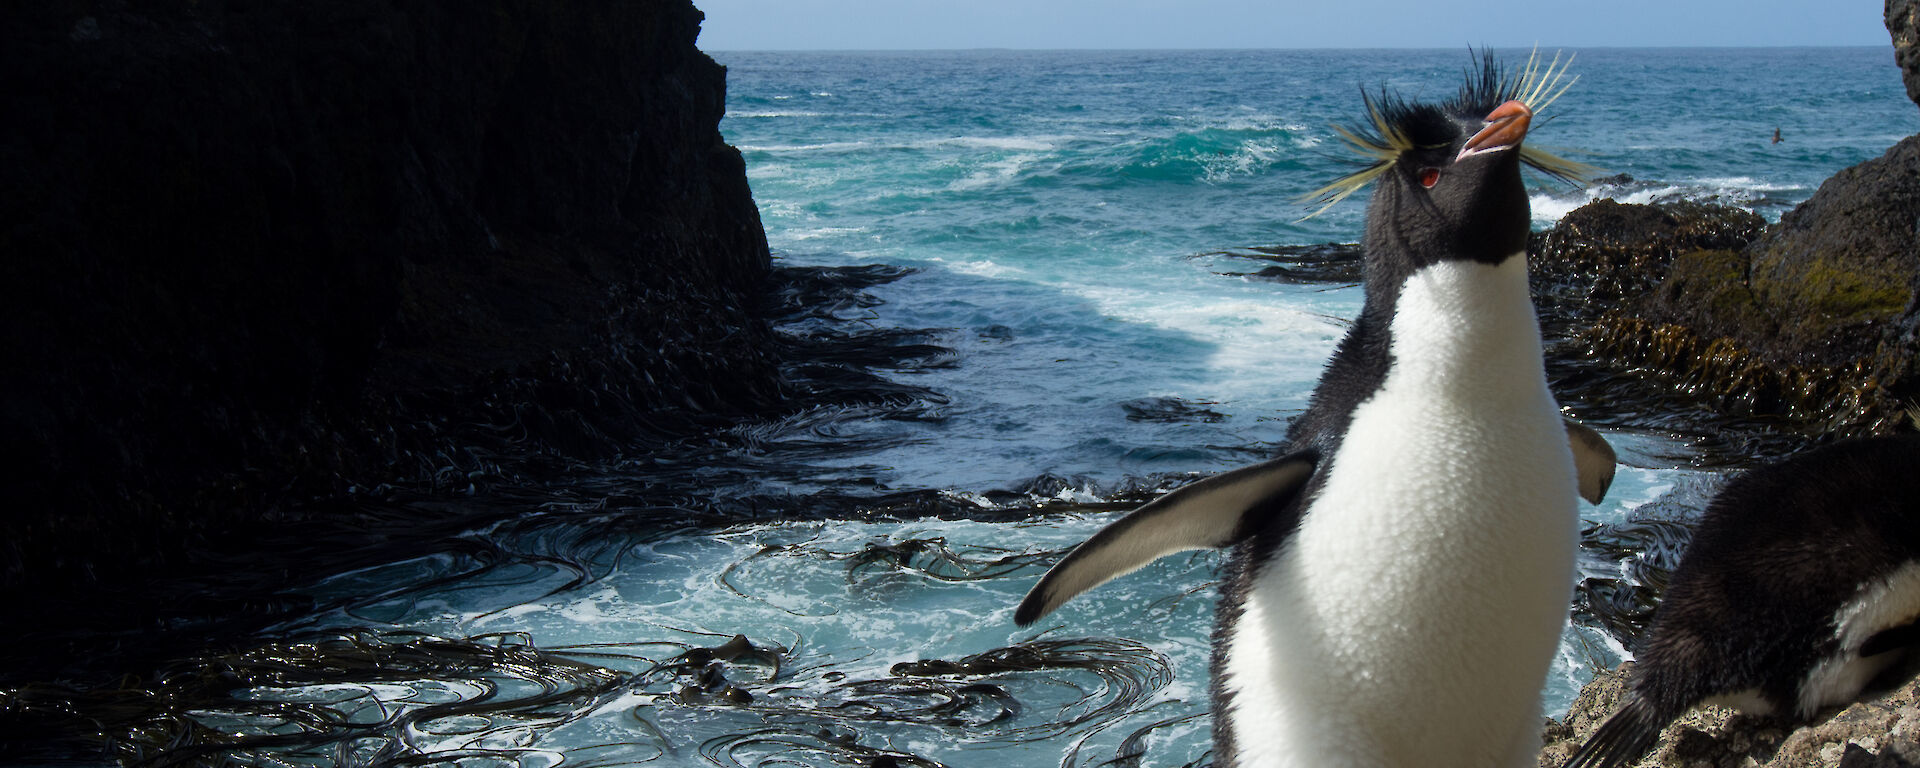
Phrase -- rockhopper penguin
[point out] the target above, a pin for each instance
(1400, 576)
(1801, 585)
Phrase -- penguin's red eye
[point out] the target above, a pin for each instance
(1429, 177)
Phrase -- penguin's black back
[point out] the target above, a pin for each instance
(1776, 555)
(1753, 604)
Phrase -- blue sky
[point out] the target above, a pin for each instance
(935, 24)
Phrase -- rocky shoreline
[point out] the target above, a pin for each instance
(1812, 323)
(1882, 730)
(272, 253)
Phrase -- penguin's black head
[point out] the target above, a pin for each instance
(1447, 175)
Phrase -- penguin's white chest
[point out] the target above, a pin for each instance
(1412, 617)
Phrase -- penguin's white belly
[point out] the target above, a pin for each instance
(1891, 602)
(1412, 617)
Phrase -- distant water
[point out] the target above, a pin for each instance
(1073, 328)
(1065, 208)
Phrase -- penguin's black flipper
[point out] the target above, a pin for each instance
(1622, 739)
(1206, 514)
(1594, 459)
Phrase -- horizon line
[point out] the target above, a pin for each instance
(1090, 49)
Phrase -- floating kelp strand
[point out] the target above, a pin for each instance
(869, 563)
(919, 700)
(1624, 565)
(778, 747)
(488, 568)
(560, 548)
(726, 580)
(739, 649)
(305, 702)
(1617, 607)
(1133, 749)
(1171, 410)
(828, 292)
(830, 430)
(933, 558)
(794, 721)
(972, 699)
(1167, 608)
(1326, 263)
(1129, 673)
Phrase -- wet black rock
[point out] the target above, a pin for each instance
(1841, 271)
(1607, 255)
(261, 251)
(1816, 320)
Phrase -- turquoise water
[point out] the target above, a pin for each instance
(1063, 209)
(1071, 220)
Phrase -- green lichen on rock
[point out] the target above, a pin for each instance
(1844, 266)
(1708, 290)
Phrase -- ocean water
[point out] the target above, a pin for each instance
(1073, 229)
(1068, 212)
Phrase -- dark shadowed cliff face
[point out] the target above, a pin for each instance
(256, 251)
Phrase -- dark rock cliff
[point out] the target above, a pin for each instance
(259, 251)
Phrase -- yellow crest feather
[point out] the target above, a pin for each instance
(1380, 142)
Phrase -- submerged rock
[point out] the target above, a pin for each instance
(1171, 410)
(1323, 263)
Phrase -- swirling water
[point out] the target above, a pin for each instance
(1056, 245)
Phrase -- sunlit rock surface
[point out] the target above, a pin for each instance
(1882, 730)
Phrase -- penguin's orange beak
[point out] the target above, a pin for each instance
(1506, 127)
